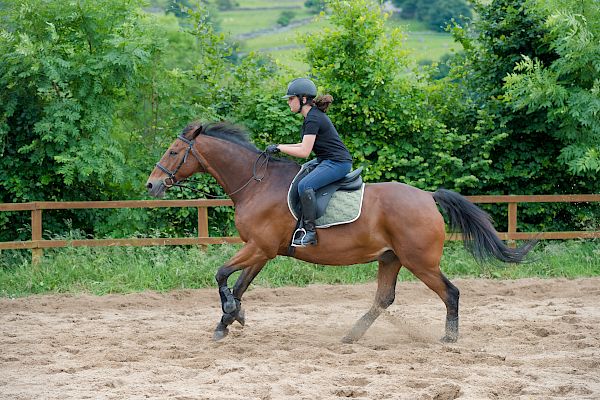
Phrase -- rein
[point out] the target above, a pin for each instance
(173, 181)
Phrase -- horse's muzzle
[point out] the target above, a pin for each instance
(156, 189)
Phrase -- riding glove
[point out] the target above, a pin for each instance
(272, 149)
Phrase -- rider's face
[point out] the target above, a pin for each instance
(293, 103)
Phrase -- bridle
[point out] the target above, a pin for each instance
(171, 174)
(171, 180)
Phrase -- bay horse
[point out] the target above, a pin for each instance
(399, 225)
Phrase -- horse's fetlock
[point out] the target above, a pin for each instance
(387, 301)
(227, 319)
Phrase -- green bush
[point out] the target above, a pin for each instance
(382, 104)
(436, 13)
(286, 17)
(527, 147)
(316, 6)
(65, 71)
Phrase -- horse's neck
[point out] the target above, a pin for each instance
(235, 167)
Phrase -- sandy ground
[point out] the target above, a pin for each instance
(526, 339)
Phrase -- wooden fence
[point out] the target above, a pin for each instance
(37, 243)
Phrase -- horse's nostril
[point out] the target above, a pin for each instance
(149, 185)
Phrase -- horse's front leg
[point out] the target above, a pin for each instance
(250, 261)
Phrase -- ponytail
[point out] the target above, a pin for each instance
(323, 102)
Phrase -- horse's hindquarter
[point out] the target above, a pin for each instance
(394, 216)
(412, 218)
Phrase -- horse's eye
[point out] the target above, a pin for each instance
(172, 153)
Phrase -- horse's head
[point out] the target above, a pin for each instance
(176, 164)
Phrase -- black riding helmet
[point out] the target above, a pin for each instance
(301, 87)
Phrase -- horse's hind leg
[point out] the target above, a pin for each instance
(428, 271)
(389, 266)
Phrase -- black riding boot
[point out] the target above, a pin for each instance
(309, 213)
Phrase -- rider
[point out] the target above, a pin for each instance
(318, 135)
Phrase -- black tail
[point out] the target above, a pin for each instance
(480, 236)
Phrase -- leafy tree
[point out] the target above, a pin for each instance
(566, 89)
(443, 12)
(316, 6)
(436, 13)
(524, 153)
(192, 82)
(410, 8)
(178, 8)
(382, 106)
(65, 68)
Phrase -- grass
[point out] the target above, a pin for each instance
(237, 22)
(430, 45)
(422, 43)
(291, 58)
(270, 3)
(131, 269)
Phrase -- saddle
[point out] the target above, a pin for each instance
(349, 183)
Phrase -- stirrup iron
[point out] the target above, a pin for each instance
(301, 239)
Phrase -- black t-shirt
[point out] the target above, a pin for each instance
(328, 145)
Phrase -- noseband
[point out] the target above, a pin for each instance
(172, 181)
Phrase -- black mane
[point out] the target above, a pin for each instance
(226, 131)
(222, 130)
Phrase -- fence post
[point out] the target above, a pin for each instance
(36, 234)
(512, 223)
(202, 222)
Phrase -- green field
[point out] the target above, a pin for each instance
(239, 22)
(283, 44)
(269, 4)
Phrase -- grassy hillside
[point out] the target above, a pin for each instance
(254, 26)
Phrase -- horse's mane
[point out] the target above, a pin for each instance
(223, 130)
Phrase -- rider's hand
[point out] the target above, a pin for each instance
(272, 149)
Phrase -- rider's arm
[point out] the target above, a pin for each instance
(301, 150)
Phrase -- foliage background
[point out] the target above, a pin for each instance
(94, 91)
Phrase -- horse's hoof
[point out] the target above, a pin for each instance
(229, 307)
(241, 317)
(449, 339)
(348, 339)
(220, 334)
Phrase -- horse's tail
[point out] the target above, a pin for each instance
(479, 235)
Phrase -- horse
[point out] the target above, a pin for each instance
(399, 226)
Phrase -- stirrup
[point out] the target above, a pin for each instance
(301, 239)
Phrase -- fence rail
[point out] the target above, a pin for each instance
(37, 243)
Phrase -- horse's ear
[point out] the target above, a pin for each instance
(197, 131)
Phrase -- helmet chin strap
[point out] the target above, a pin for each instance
(301, 104)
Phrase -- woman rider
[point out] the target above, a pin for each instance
(318, 135)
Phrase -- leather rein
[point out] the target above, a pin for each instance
(171, 180)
